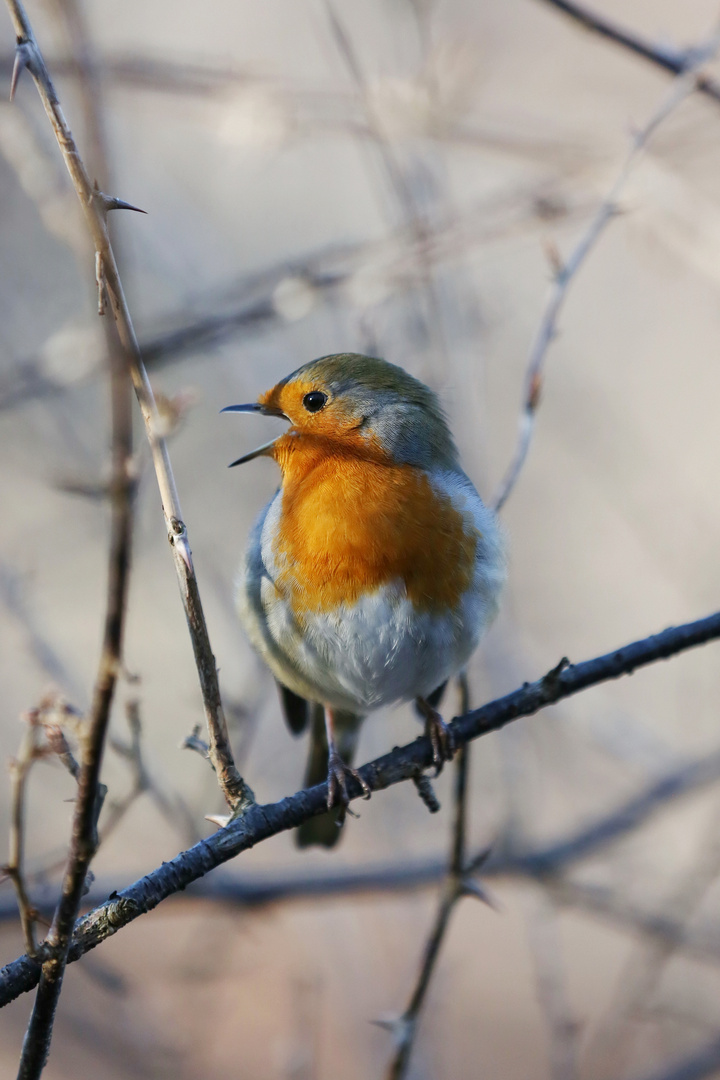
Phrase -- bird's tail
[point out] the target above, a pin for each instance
(324, 829)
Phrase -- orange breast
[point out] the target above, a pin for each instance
(352, 522)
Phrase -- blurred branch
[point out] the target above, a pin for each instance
(546, 862)
(173, 809)
(84, 841)
(643, 970)
(261, 822)
(458, 883)
(399, 182)
(673, 60)
(19, 770)
(668, 931)
(95, 205)
(686, 82)
(323, 274)
(43, 652)
(547, 953)
(704, 1062)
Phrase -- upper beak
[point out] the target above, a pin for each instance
(266, 410)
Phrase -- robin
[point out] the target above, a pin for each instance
(372, 573)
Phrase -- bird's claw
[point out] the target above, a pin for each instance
(338, 772)
(440, 735)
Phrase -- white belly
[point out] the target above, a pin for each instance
(380, 649)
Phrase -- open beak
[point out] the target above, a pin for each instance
(266, 448)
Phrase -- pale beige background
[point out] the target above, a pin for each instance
(613, 527)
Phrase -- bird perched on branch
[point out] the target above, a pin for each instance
(372, 573)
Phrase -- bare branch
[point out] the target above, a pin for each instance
(172, 807)
(84, 840)
(643, 970)
(189, 867)
(546, 950)
(236, 791)
(455, 886)
(19, 769)
(704, 1062)
(547, 863)
(672, 60)
(686, 82)
(658, 927)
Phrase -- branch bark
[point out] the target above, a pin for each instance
(688, 80)
(673, 60)
(261, 822)
(95, 205)
(84, 842)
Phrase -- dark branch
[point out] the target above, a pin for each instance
(674, 61)
(704, 1062)
(236, 791)
(545, 861)
(262, 822)
(84, 840)
(455, 886)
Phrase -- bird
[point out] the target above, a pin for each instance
(373, 571)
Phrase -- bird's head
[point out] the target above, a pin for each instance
(349, 403)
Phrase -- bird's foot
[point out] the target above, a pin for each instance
(439, 734)
(338, 772)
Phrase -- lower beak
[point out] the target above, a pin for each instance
(266, 449)
(262, 451)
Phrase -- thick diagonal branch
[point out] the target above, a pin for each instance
(261, 822)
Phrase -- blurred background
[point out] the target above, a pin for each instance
(397, 178)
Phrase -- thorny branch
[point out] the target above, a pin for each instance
(95, 205)
(324, 274)
(545, 863)
(687, 81)
(261, 822)
(19, 769)
(84, 841)
(43, 735)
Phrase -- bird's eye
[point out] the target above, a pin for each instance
(314, 401)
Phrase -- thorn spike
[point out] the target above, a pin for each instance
(22, 60)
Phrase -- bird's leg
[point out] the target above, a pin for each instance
(338, 771)
(440, 735)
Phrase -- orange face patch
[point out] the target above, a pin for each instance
(334, 419)
(352, 522)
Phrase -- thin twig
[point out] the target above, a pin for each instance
(261, 822)
(686, 82)
(546, 950)
(672, 60)
(252, 306)
(19, 770)
(655, 926)
(454, 887)
(95, 205)
(643, 970)
(173, 808)
(420, 232)
(83, 845)
(457, 884)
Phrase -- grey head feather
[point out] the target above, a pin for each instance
(403, 413)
